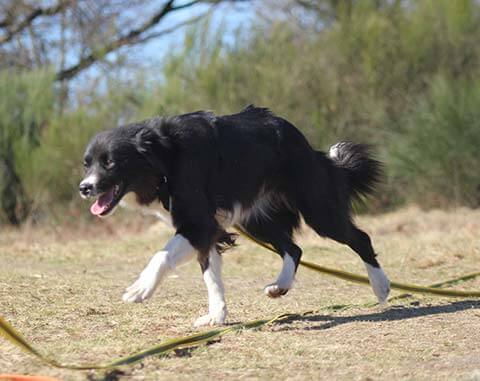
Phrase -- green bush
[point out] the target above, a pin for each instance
(26, 104)
(436, 152)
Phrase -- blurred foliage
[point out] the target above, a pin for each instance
(26, 106)
(398, 74)
(435, 153)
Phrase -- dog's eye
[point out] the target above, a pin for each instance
(86, 164)
(109, 163)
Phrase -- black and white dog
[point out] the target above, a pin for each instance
(253, 169)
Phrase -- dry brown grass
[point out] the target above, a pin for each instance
(62, 290)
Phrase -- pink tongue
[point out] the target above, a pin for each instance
(101, 205)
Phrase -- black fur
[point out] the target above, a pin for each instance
(362, 170)
(254, 161)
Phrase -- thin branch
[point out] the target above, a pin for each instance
(4, 23)
(28, 20)
(33, 39)
(172, 29)
(308, 4)
(186, 5)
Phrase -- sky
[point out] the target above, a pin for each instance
(229, 16)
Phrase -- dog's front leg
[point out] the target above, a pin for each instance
(217, 308)
(177, 251)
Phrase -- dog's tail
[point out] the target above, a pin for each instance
(362, 171)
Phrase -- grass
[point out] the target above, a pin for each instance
(62, 289)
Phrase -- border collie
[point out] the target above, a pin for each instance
(252, 169)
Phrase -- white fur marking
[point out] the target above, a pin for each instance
(90, 180)
(379, 282)
(217, 308)
(285, 279)
(262, 205)
(227, 218)
(333, 151)
(177, 251)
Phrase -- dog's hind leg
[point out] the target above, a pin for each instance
(360, 242)
(276, 228)
(342, 230)
(217, 308)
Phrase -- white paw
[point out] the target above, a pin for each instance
(144, 286)
(140, 290)
(379, 282)
(148, 280)
(275, 291)
(210, 320)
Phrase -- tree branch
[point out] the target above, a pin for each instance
(126, 39)
(28, 20)
(4, 23)
(172, 29)
(131, 38)
(186, 5)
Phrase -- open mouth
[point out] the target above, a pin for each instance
(107, 201)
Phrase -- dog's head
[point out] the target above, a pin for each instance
(121, 160)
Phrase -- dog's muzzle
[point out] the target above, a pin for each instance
(86, 189)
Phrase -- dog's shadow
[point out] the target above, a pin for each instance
(394, 313)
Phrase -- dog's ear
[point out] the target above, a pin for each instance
(153, 146)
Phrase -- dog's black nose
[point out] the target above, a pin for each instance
(85, 189)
